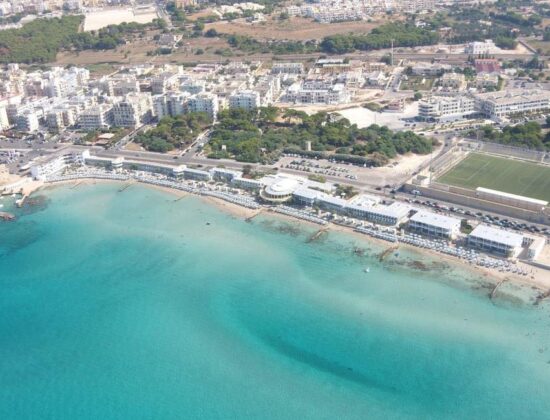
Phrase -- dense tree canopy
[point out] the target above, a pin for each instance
(403, 35)
(40, 40)
(174, 132)
(261, 136)
(528, 135)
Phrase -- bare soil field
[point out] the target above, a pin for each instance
(543, 46)
(135, 52)
(296, 29)
(200, 14)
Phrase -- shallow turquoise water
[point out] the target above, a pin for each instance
(131, 305)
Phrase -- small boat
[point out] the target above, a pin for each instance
(367, 270)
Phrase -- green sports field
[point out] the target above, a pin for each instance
(511, 176)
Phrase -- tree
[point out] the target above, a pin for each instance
(211, 33)
(417, 96)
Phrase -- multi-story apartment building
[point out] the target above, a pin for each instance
(54, 119)
(497, 105)
(481, 48)
(269, 88)
(134, 110)
(163, 83)
(316, 93)
(438, 107)
(27, 121)
(287, 68)
(4, 121)
(96, 117)
(245, 99)
(171, 104)
(204, 102)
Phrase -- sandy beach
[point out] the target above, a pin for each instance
(538, 278)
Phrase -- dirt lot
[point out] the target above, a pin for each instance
(297, 29)
(544, 46)
(216, 49)
(136, 52)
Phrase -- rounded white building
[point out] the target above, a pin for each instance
(280, 191)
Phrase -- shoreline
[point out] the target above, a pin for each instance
(540, 279)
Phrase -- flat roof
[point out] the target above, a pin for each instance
(329, 199)
(434, 219)
(307, 193)
(396, 210)
(365, 200)
(513, 196)
(500, 236)
(196, 171)
(248, 180)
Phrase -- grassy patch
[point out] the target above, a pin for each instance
(511, 176)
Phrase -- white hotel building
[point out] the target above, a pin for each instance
(496, 105)
(496, 241)
(433, 224)
(441, 107)
(53, 165)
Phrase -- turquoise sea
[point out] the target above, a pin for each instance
(131, 305)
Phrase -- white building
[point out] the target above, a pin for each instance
(440, 107)
(197, 174)
(27, 121)
(497, 241)
(171, 104)
(96, 117)
(287, 68)
(4, 121)
(433, 224)
(164, 82)
(496, 105)
(314, 92)
(53, 165)
(223, 174)
(389, 215)
(247, 183)
(133, 111)
(481, 48)
(54, 119)
(245, 99)
(204, 102)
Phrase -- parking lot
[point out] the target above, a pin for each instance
(487, 218)
(321, 169)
